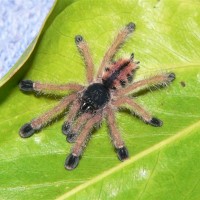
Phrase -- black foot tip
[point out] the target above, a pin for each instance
(71, 162)
(137, 62)
(171, 76)
(132, 56)
(122, 153)
(131, 27)
(66, 128)
(78, 39)
(26, 131)
(26, 85)
(155, 122)
(71, 137)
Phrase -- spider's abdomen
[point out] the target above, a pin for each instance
(119, 73)
(94, 97)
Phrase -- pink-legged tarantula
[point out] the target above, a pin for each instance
(100, 99)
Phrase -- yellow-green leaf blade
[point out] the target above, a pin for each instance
(166, 39)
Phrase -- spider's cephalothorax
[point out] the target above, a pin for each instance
(94, 97)
(100, 99)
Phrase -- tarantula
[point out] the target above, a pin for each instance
(100, 99)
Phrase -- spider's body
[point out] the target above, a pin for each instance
(98, 95)
(100, 99)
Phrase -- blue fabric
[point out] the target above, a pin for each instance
(20, 21)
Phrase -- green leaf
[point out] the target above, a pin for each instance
(164, 161)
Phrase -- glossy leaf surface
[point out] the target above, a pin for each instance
(164, 161)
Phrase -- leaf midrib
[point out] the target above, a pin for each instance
(179, 135)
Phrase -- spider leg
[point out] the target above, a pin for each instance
(73, 159)
(115, 135)
(121, 37)
(139, 111)
(84, 50)
(29, 129)
(70, 130)
(76, 127)
(73, 111)
(29, 86)
(155, 80)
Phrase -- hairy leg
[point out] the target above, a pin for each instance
(115, 135)
(121, 37)
(73, 158)
(75, 128)
(141, 112)
(155, 80)
(73, 111)
(84, 50)
(36, 124)
(29, 86)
